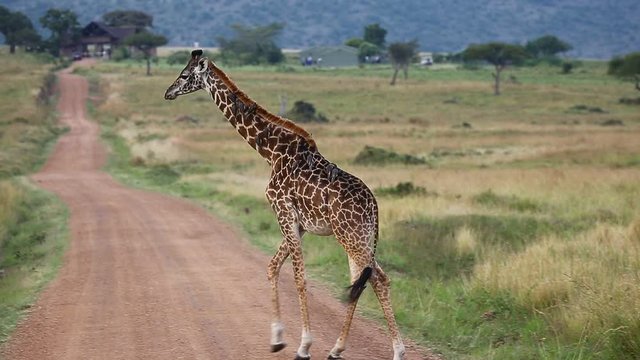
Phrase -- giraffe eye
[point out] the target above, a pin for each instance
(184, 77)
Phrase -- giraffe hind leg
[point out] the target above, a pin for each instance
(359, 277)
(381, 286)
(273, 274)
(356, 289)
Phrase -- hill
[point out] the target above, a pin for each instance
(596, 29)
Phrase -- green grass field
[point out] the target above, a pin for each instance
(518, 236)
(32, 223)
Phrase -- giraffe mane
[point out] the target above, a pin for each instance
(264, 113)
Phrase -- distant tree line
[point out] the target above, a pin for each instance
(65, 30)
(252, 45)
(257, 45)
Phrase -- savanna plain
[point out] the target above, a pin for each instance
(510, 225)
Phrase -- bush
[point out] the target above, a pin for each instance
(376, 156)
(626, 66)
(403, 189)
(120, 53)
(511, 202)
(163, 174)
(305, 112)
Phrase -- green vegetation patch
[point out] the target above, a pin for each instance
(581, 108)
(27, 122)
(377, 156)
(32, 240)
(509, 202)
(404, 189)
(434, 248)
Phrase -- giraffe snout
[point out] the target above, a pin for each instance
(170, 94)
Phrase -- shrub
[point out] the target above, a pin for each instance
(626, 66)
(403, 189)
(163, 174)
(120, 53)
(376, 156)
(490, 199)
(305, 112)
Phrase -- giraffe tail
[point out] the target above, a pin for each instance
(359, 285)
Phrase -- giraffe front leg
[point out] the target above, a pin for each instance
(298, 272)
(273, 274)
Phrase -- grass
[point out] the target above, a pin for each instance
(28, 122)
(32, 223)
(33, 238)
(528, 183)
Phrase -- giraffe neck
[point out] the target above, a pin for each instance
(270, 135)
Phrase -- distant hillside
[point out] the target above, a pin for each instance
(596, 29)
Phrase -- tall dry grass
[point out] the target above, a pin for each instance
(585, 287)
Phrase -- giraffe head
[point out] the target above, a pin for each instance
(190, 78)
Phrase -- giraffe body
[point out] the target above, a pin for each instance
(307, 193)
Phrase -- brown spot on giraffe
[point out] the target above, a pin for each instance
(308, 194)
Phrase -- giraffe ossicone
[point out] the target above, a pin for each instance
(308, 194)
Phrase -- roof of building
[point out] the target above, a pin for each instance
(103, 29)
(331, 49)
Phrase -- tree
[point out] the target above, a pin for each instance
(145, 42)
(372, 42)
(627, 67)
(375, 34)
(64, 28)
(498, 54)
(547, 46)
(17, 29)
(134, 18)
(401, 54)
(252, 45)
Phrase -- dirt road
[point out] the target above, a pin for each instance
(149, 276)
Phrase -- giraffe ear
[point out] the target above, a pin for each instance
(195, 54)
(202, 65)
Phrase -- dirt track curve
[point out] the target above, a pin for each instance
(148, 276)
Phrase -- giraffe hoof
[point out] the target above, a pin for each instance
(298, 357)
(277, 347)
(332, 357)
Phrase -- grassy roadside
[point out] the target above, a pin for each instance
(32, 222)
(507, 190)
(33, 233)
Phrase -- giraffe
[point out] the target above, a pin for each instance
(307, 194)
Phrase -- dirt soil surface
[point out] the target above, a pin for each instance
(148, 276)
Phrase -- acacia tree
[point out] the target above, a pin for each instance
(627, 67)
(17, 29)
(498, 54)
(135, 18)
(547, 46)
(145, 42)
(401, 54)
(252, 45)
(64, 28)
